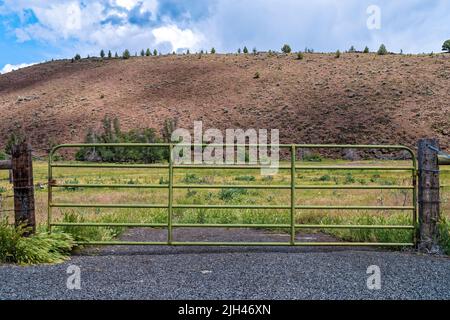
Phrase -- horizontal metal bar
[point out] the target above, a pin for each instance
(238, 186)
(351, 226)
(206, 186)
(231, 225)
(108, 165)
(141, 145)
(252, 244)
(355, 207)
(344, 187)
(224, 225)
(200, 206)
(105, 224)
(387, 168)
(105, 205)
(124, 186)
(231, 166)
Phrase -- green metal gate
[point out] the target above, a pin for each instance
(293, 167)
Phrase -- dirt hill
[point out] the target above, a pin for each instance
(357, 98)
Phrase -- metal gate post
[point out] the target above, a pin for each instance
(170, 209)
(293, 156)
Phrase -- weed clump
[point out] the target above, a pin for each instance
(39, 248)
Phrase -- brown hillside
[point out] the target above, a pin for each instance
(358, 98)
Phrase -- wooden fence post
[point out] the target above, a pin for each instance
(22, 167)
(429, 211)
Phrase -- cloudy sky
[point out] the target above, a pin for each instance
(38, 30)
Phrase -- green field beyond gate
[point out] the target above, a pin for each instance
(370, 202)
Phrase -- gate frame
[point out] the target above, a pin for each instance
(292, 206)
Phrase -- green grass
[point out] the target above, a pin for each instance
(39, 248)
(232, 195)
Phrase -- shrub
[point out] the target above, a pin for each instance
(191, 178)
(337, 54)
(446, 46)
(286, 49)
(39, 248)
(87, 233)
(300, 56)
(312, 157)
(213, 50)
(366, 50)
(245, 178)
(102, 53)
(77, 57)
(382, 50)
(256, 76)
(155, 52)
(112, 133)
(126, 54)
(148, 53)
(232, 193)
(245, 50)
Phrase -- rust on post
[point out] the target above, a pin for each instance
(22, 168)
(429, 209)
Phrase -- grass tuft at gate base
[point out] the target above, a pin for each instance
(37, 249)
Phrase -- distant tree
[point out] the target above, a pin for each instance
(126, 54)
(337, 54)
(188, 51)
(77, 57)
(366, 49)
(102, 54)
(116, 55)
(254, 50)
(245, 50)
(286, 49)
(213, 50)
(382, 50)
(202, 52)
(109, 54)
(239, 51)
(88, 57)
(446, 46)
(352, 49)
(155, 52)
(142, 53)
(148, 53)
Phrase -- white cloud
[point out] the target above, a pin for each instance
(11, 67)
(178, 38)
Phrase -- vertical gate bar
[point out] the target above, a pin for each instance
(414, 181)
(293, 156)
(49, 193)
(170, 209)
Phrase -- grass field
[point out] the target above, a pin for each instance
(230, 196)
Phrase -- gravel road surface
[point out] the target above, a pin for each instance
(140, 272)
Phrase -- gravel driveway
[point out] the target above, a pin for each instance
(231, 272)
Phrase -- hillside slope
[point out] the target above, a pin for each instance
(358, 98)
